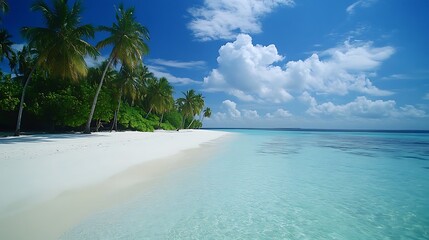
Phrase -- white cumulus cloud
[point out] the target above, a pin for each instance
(231, 108)
(162, 72)
(224, 19)
(361, 107)
(280, 113)
(230, 111)
(250, 114)
(342, 69)
(251, 72)
(246, 71)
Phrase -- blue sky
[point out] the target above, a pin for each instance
(359, 64)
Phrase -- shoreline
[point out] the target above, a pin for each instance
(51, 214)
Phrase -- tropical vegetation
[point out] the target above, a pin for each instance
(49, 87)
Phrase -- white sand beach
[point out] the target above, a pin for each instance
(50, 182)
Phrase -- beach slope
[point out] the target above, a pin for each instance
(42, 174)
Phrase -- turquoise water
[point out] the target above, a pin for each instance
(285, 185)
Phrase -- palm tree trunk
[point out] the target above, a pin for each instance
(94, 103)
(183, 122)
(115, 122)
(160, 121)
(150, 110)
(21, 105)
(98, 125)
(193, 119)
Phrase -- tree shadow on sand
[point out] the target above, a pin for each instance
(39, 138)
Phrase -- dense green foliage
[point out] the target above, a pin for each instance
(61, 93)
(9, 90)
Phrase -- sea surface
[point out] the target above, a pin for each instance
(266, 184)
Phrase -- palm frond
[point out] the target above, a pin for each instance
(61, 43)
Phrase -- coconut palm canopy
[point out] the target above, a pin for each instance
(6, 43)
(127, 37)
(61, 43)
(160, 95)
(190, 104)
(207, 112)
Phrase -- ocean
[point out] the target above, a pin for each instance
(282, 184)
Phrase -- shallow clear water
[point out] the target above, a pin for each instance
(285, 185)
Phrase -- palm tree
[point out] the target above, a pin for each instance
(23, 61)
(190, 105)
(198, 107)
(207, 113)
(167, 101)
(159, 95)
(94, 75)
(129, 84)
(6, 46)
(185, 105)
(128, 40)
(146, 76)
(61, 49)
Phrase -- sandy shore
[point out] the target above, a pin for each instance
(48, 183)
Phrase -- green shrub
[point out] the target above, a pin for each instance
(167, 126)
(174, 118)
(9, 94)
(131, 117)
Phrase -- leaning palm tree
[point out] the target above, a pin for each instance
(60, 45)
(198, 107)
(130, 85)
(94, 75)
(127, 37)
(185, 105)
(167, 101)
(190, 105)
(159, 95)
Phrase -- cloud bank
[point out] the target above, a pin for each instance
(253, 72)
(230, 111)
(361, 107)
